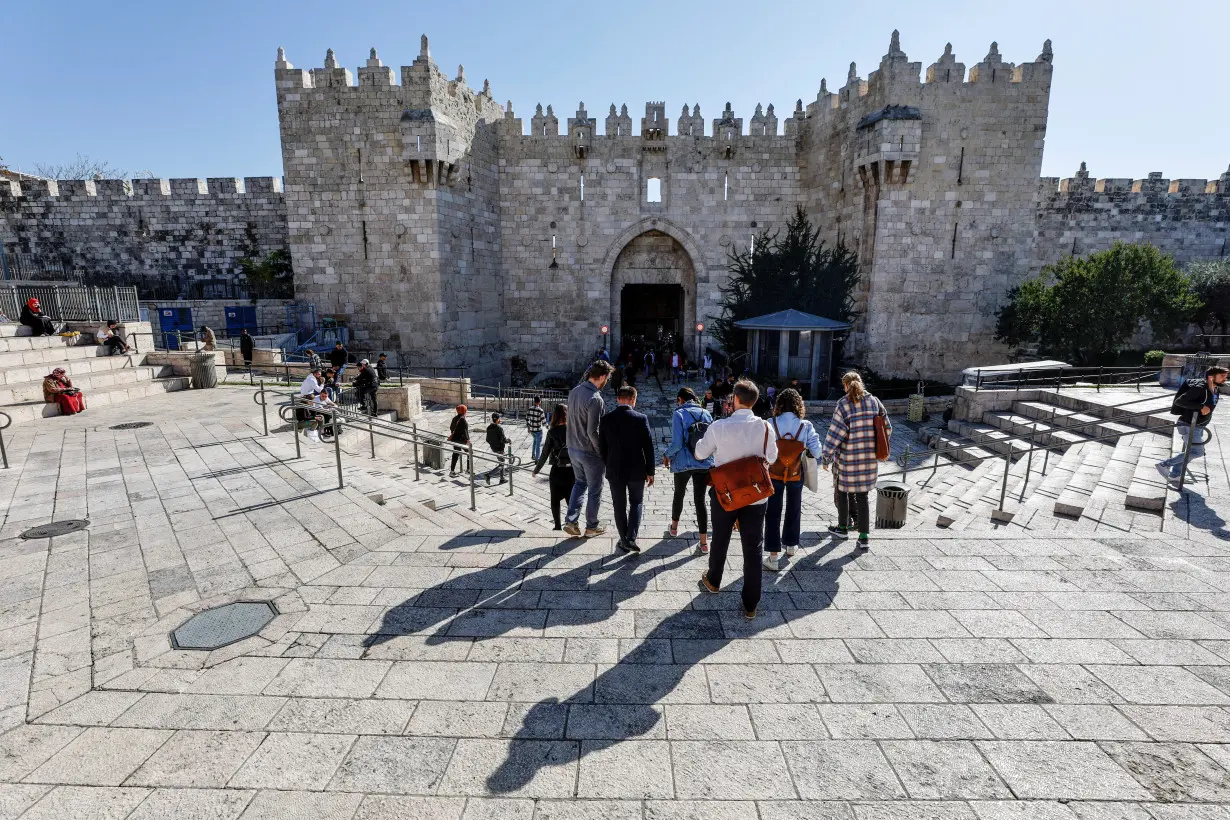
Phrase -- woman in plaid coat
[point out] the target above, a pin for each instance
(851, 447)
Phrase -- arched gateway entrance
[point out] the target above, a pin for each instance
(653, 293)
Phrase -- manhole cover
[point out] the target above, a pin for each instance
(223, 625)
(56, 528)
(132, 425)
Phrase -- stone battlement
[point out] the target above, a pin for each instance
(1084, 186)
(125, 189)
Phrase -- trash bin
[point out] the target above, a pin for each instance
(433, 452)
(891, 500)
(203, 373)
(917, 408)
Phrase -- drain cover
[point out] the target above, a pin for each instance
(132, 425)
(56, 528)
(223, 625)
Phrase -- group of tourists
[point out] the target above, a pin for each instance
(746, 472)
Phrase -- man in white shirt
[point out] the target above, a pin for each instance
(739, 435)
(312, 385)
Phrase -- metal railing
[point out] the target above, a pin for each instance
(291, 410)
(71, 303)
(1057, 377)
(4, 453)
(1010, 452)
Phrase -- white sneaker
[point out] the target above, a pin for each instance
(770, 562)
(312, 435)
(791, 549)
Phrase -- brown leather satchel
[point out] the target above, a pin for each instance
(881, 438)
(743, 481)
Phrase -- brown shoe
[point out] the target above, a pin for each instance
(749, 614)
(706, 585)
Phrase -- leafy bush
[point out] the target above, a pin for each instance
(1154, 357)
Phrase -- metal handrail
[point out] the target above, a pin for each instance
(903, 461)
(339, 417)
(1065, 372)
(4, 453)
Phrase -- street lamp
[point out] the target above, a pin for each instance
(700, 331)
(603, 331)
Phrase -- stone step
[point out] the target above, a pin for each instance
(1060, 469)
(25, 412)
(1033, 431)
(957, 448)
(1084, 424)
(90, 383)
(1123, 406)
(960, 502)
(1075, 496)
(992, 438)
(74, 367)
(1147, 488)
(45, 357)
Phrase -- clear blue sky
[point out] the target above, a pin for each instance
(185, 89)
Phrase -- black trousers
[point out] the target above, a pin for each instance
(700, 480)
(367, 399)
(628, 500)
(561, 480)
(114, 345)
(751, 536)
(858, 501)
(41, 325)
(459, 452)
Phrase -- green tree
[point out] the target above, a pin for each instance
(270, 277)
(1211, 282)
(778, 272)
(1087, 308)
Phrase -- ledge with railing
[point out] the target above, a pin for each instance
(997, 378)
(71, 303)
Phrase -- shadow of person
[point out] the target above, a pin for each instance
(619, 704)
(1192, 508)
(494, 601)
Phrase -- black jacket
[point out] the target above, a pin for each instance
(626, 444)
(337, 358)
(246, 345)
(555, 449)
(382, 370)
(366, 380)
(1193, 395)
(496, 439)
(459, 430)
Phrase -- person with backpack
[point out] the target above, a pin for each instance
(850, 447)
(1193, 404)
(555, 452)
(688, 426)
(742, 447)
(497, 440)
(796, 439)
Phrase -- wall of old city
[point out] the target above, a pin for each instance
(144, 231)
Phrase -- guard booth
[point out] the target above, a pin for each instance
(791, 344)
(173, 320)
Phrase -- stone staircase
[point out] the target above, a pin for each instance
(1103, 451)
(25, 360)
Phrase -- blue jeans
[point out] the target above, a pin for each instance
(589, 471)
(777, 531)
(536, 451)
(1199, 437)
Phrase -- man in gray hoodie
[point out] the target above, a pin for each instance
(585, 408)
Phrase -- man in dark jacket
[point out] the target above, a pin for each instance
(246, 345)
(338, 357)
(382, 367)
(1193, 404)
(459, 434)
(497, 440)
(365, 387)
(626, 446)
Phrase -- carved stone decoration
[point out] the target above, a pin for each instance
(724, 241)
(582, 240)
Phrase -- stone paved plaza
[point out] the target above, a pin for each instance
(432, 662)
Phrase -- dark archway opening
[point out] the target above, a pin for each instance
(651, 316)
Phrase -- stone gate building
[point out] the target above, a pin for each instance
(431, 219)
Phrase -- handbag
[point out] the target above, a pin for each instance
(881, 437)
(811, 473)
(744, 481)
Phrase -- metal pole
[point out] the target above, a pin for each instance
(295, 423)
(470, 470)
(1187, 453)
(371, 431)
(4, 453)
(1003, 490)
(1029, 460)
(905, 467)
(510, 472)
(337, 447)
(264, 410)
(414, 432)
(1099, 384)
(1046, 455)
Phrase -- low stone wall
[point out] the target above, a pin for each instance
(405, 399)
(1178, 366)
(443, 390)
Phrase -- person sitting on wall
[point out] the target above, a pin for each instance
(58, 389)
(106, 335)
(366, 384)
(32, 316)
(208, 340)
